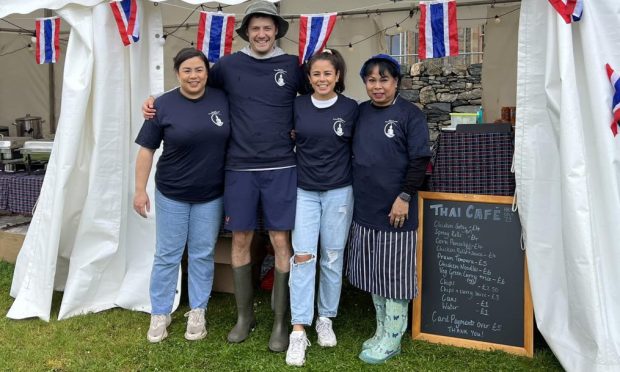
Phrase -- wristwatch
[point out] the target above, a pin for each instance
(404, 196)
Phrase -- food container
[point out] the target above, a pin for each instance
(37, 147)
(457, 118)
(9, 147)
(30, 126)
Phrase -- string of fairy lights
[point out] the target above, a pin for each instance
(185, 24)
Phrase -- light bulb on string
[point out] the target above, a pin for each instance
(33, 39)
(398, 28)
(497, 19)
(350, 47)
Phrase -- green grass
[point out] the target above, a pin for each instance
(116, 340)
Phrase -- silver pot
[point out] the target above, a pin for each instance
(29, 126)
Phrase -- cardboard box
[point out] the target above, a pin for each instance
(10, 244)
(223, 278)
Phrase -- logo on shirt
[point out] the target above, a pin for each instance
(279, 77)
(389, 128)
(215, 119)
(338, 124)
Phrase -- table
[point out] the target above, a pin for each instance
(473, 163)
(19, 191)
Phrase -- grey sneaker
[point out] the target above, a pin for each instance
(196, 329)
(157, 329)
(327, 337)
(296, 353)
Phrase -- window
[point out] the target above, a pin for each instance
(404, 47)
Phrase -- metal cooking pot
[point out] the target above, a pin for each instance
(29, 126)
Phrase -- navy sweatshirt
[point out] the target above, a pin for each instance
(261, 94)
(323, 140)
(386, 140)
(195, 133)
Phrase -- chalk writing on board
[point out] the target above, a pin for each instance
(473, 272)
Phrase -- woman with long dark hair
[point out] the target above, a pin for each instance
(324, 122)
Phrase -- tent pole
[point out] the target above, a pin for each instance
(51, 87)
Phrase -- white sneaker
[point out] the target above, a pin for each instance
(296, 353)
(327, 337)
(157, 329)
(196, 329)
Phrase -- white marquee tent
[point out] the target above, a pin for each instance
(85, 239)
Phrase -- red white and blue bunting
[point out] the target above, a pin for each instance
(126, 15)
(47, 31)
(438, 30)
(314, 31)
(215, 34)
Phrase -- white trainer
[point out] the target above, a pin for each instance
(157, 330)
(196, 329)
(296, 353)
(327, 337)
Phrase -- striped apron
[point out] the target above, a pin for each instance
(382, 262)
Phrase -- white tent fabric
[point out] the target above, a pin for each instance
(568, 180)
(85, 201)
(85, 240)
(84, 237)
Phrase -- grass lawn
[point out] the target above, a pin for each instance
(116, 340)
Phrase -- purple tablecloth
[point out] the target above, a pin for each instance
(19, 191)
(474, 163)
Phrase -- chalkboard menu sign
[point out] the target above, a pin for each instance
(472, 274)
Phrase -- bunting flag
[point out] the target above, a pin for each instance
(126, 17)
(215, 34)
(570, 10)
(614, 79)
(47, 32)
(439, 36)
(314, 31)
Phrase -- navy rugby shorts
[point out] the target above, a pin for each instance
(275, 190)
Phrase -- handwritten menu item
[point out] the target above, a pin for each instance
(473, 274)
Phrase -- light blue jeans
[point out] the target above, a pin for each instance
(177, 222)
(324, 214)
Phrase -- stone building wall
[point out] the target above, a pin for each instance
(439, 89)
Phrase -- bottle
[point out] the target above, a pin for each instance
(480, 112)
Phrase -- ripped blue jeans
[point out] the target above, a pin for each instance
(324, 215)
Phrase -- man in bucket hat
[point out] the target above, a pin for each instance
(261, 82)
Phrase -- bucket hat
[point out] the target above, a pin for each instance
(262, 7)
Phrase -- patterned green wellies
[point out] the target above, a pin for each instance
(394, 326)
(379, 303)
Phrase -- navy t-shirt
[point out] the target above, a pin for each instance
(385, 141)
(323, 138)
(195, 134)
(261, 94)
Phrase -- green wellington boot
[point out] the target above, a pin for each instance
(244, 297)
(279, 334)
(394, 327)
(379, 303)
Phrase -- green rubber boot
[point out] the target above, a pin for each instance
(379, 303)
(278, 341)
(394, 326)
(244, 297)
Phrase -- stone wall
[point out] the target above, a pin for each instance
(440, 89)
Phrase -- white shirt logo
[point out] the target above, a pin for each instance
(279, 77)
(216, 119)
(338, 123)
(389, 128)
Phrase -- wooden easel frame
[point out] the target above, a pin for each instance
(528, 311)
